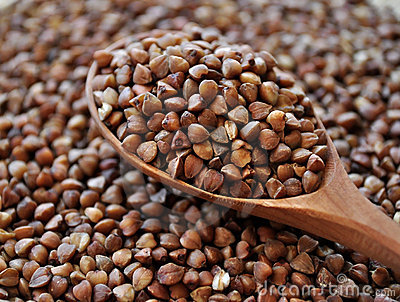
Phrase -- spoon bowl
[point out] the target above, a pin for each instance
(336, 211)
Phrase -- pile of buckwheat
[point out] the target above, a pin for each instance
(78, 225)
(221, 117)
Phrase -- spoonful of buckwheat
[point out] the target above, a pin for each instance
(223, 123)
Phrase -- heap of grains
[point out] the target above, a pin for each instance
(75, 225)
(221, 117)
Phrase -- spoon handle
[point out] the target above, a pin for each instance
(358, 225)
(339, 212)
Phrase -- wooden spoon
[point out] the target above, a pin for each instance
(336, 211)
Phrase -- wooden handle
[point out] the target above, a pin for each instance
(355, 221)
(339, 212)
(359, 225)
(336, 211)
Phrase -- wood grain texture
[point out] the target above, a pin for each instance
(336, 211)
